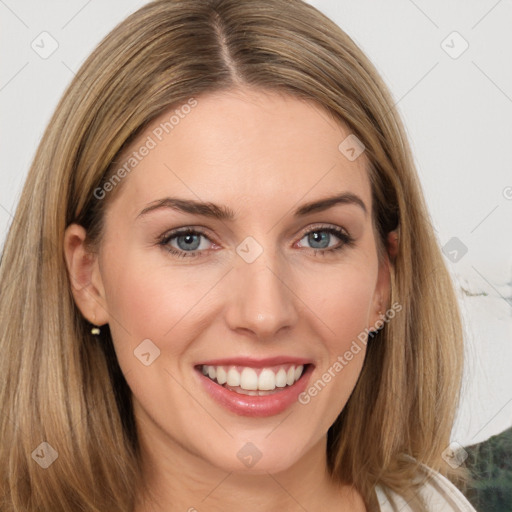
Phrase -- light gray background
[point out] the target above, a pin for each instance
(457, 112)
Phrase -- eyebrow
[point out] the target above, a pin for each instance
(225, 213)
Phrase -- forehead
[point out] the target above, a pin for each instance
(245, 144)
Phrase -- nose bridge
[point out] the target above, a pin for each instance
(261, 301)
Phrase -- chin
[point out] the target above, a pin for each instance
(256, 455)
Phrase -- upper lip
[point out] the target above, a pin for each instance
(256, 363)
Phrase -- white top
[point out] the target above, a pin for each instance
(443, 497)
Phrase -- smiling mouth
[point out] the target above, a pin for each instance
(251, 381)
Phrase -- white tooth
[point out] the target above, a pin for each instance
(222, 376)
(233, 377)
(290, 376)
(267, 380)
(281, 378)
(265, 393)
(249, 379)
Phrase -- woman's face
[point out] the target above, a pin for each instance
(214, 257)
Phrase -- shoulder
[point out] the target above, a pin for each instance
(439, 494)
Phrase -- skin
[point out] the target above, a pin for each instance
(262, 155)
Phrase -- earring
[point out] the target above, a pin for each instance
(95, 331)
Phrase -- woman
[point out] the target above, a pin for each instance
(221, 289)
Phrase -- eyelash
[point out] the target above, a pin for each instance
(346, 240)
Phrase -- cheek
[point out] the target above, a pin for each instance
(151, 301)
(341, 306)
(343, 302)
(164, 305)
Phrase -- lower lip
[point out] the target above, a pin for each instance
(256, 406)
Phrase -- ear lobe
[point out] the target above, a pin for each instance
(84, 276)
(392, 245)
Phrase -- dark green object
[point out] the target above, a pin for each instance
(490, 464)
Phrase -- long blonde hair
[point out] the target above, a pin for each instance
(62, 386)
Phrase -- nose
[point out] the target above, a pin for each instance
(261, 301)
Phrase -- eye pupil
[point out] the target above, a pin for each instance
(192, 242)
(319, 237)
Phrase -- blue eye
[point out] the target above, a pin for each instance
(185, 241)
(321, 238)
(189, 242)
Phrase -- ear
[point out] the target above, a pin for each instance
(383, 288)
(85, 277)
